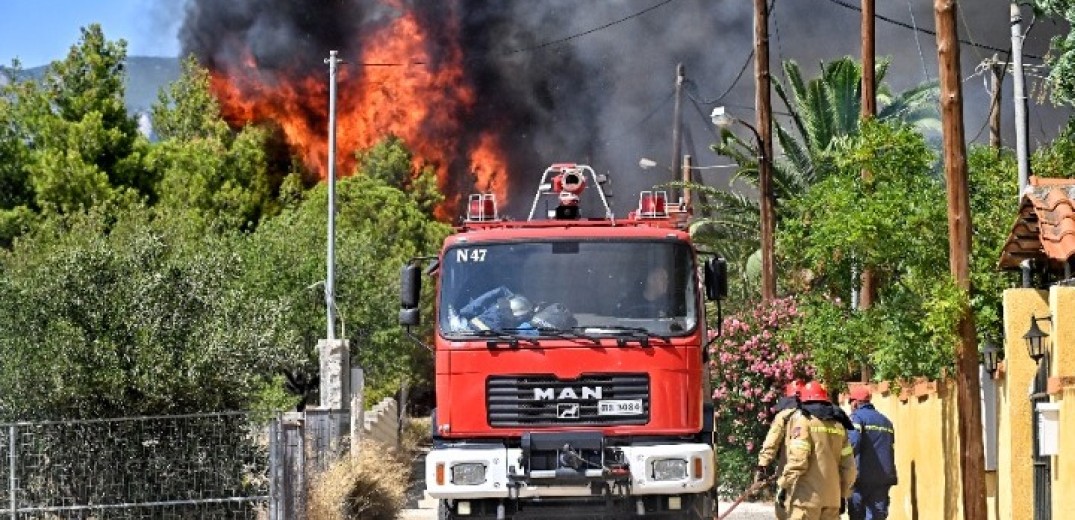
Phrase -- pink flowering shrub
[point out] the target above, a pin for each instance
(750, 364)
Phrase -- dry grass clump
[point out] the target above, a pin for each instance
(417, 432)
(369, 486)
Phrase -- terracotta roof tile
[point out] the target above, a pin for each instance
(1045, 227)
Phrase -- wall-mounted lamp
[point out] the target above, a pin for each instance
(1035, 338)
(991, 357)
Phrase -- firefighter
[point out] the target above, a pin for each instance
(816, 481)
(772, 449)
(872, 440)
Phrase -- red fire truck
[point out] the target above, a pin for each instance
(570, 359)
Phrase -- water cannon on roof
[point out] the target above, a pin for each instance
(566, 181)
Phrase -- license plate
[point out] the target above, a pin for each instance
(619, 407)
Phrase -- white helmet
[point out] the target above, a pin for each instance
(521, 308)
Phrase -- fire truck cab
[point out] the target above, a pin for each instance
(570, 359)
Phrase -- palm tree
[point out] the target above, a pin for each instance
(820, 111)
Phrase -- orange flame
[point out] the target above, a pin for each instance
(393, 88)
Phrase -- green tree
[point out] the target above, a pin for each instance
(16, 195)
(87, 149)
(216, 176)
(129, 314)
(69, 144)
(391, 161)
(892, 222)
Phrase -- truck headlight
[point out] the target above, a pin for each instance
(669, 469)
(468, 473)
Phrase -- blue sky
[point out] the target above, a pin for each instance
(40, 31)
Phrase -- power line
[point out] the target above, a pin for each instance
(905, 25)
(918, 43)
(539, 46)
(590, 31)
(692, 85)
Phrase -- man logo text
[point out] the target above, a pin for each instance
(567, 393)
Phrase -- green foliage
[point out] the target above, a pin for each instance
(993, 205)
(1062, 57)
(218, 178)
(16, 195)
(1056, 158)
(67, 141)
(132, 314)
(391, 162)
(892, 222)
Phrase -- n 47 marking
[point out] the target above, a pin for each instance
(470, 255)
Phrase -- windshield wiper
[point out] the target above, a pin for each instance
(567, 334)
(507, 337)
(625, 335)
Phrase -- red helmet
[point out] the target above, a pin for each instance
(793, 388)
(860, 393)
(813, 391)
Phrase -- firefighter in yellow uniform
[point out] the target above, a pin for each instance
(816, 481)
(772, 450)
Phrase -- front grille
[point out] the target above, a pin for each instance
(513, 400)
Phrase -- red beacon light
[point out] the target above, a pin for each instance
(652, 204)
(481, 207)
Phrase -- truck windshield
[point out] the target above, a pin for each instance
(589, 287)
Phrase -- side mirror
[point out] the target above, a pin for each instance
(410, 289)
(410, 317)
(716, 279)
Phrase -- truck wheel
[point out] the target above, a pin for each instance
(444, 511)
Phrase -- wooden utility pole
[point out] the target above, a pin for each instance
(994, 102)
(972, 460)
(763, 108)
(869, 110)
(869, 82)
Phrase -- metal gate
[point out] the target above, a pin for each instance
(302, 444)
(1043, 465)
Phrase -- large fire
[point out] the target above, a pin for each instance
(395, 87)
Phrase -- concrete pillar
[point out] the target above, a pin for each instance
(1015, 496)
(335, 357)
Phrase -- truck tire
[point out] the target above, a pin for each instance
(444, 511)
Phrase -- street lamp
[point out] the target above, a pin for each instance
(1035, 338)
(991, 357)
(724, 121)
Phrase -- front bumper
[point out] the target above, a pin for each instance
(506, 477)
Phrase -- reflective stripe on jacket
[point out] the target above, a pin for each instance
(873, 439)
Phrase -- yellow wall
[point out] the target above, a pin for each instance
(926, 453)
(1015, 477)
